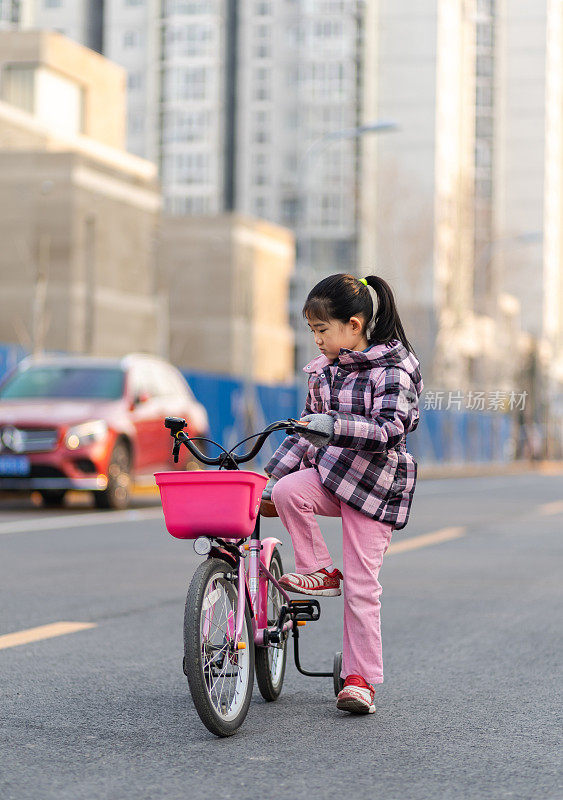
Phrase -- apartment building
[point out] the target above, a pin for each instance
(452, 203)
(397, 216)
(490, 185)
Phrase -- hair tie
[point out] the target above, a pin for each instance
(363, 280)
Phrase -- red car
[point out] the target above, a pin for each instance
(76, 422)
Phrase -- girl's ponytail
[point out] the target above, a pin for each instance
(386, 321)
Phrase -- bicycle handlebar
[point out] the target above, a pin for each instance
(228, 459)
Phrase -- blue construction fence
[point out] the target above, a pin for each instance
(237, 409)
(442, 436)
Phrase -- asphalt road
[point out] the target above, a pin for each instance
(470, 706)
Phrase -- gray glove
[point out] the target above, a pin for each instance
(323, 423)
(267, 493)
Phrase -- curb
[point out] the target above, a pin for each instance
(442, 471)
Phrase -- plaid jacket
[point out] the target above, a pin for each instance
(373, 399)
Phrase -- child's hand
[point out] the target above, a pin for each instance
(320, 423)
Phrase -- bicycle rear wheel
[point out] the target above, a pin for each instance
(220, 678)
(271, 660)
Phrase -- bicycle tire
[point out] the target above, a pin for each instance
(270, 681)
(337, 681)
(197, 669)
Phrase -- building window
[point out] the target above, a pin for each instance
(484, 187)
(134, 2)
(483, 153)
(483, 126)
(187, 7)
(484, 34)
(484, 66)
(53, 3)
(187, 84)
(134, 81)
(189, 40)
(262, 88)
(136, 123)
(290, 210)
(260, 205)
(186, 126)
(330, 210)
(261, 136)
(131, 39)
(188, 205)
(262, 51)
(263, 32)
(484, 96)
(485, 7)
(187, 168)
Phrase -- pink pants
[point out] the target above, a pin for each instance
(298, 497)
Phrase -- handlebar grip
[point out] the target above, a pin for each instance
(299, 427)
(174, 424)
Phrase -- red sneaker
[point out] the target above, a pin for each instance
(357, 696)
(321, 582)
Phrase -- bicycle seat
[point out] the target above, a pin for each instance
(268, 509)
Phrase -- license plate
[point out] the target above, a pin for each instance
(14, 466)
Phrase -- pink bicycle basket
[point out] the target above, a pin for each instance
(223, 503)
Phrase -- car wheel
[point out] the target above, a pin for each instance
(116, 495)
(53, 497)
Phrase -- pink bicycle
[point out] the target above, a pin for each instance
(237, 619)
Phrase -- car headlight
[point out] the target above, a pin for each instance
(86, 433)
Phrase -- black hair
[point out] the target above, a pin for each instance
(343, 296)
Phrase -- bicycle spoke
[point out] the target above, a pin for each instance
(221, 665)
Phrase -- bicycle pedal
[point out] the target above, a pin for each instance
(307, 610)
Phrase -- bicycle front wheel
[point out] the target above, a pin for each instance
(220, 678)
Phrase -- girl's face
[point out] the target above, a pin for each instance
(332, 335)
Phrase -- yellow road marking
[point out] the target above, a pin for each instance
(426, 539)
(42, 632)
(551, 508)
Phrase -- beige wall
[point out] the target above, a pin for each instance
(228, 280)
(78, 228)
(67, 233)
(103, 83)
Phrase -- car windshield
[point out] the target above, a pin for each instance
(71, 382)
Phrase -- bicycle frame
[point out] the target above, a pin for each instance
(249, 587)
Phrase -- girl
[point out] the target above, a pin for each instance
(363, 393)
